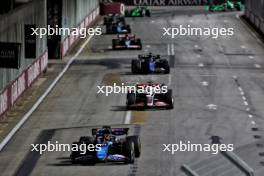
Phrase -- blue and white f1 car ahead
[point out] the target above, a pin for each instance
(112, 148)
(150, 64)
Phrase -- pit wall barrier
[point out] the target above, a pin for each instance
(70, 41)
(16, 88)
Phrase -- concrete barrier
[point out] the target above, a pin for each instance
(16, 88)
(71, 40)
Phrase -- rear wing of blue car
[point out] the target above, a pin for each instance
(113, 131)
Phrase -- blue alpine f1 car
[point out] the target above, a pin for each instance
(110, 147)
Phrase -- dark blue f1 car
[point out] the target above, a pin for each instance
(150, 64)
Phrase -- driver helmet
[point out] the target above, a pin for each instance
(106, 134)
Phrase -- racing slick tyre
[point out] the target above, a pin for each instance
(128, 29)
(90, 162)
(147, 13)
(166, 67)
(169, 99)
(135, 66)
(74, 154)
(238, 7)
(105, 21)
(137, 144)
(138, 42)
(109, 29)
(211, 9)
(127, 13)
(131, 99)
(129, 151)
(114, 43)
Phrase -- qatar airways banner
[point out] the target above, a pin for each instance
(164, 2)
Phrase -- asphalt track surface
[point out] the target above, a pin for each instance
(218, 90)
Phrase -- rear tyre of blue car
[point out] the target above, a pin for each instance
(137, 144)
(139, 43)
(166, 67)
(114, 43)
(136, 66)
(129, 151)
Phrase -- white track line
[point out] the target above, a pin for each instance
(169, 82)
(200, 65)
(257, 65)
(128, 117)
(40, 100)
(169, 53)
(172, 49)
(245, 103)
